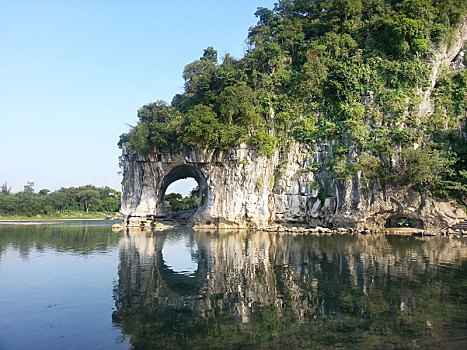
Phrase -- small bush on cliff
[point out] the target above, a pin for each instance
(265, 143)
(425, 167)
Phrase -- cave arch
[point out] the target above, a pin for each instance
(403, 220)
(180, 172)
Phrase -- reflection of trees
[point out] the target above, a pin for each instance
(78, 239)
(279, 291)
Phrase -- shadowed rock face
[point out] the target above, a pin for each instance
(239, 188)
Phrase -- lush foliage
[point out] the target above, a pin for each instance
(177, 202)
(84, 198)
(345, 70)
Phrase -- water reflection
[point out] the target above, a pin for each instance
(180, 254)
(56, 287)
(77, 239)
(264, 290)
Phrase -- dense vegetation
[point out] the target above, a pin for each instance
(175, 201)
(65, 200)
(350, 71)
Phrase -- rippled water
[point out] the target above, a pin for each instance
(84, 287)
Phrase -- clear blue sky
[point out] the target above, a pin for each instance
(74, 73)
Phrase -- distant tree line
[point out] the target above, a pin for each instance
(87, 198)
(176, 201)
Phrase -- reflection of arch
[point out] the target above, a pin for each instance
(403, 220)
(180, 284)
(145, 279)
(182, 172)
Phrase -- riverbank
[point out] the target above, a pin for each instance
(50, 222)
(69, 215)
(298, 230)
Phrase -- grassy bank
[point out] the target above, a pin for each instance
(67, 215)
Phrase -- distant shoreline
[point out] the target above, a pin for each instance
(53, 221)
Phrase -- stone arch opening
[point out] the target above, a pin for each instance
(176, 173)
(403, 220)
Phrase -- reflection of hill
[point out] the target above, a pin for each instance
(76, 238)
(299, 291)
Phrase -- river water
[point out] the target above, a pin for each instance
(81, 286)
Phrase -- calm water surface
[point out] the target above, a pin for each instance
(84, 287)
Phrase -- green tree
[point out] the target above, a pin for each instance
(265, 143)
(29, 187)
(178, 202)
(201, 127)
(197, 76)
(237, 105)
(209, 54)
(58, 200)
(5, 189)
(89, 197)
(425, 166)
(44, 192)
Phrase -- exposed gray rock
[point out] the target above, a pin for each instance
(458, 62)
(444, 57)
(242, 189)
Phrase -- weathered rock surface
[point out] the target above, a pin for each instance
(447, 56)
(239, 188)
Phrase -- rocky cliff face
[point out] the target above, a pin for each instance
(451, 55)
(239, 188)
(236, 187)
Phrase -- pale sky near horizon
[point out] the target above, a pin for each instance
(74, 73)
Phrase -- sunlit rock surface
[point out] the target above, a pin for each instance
(239, 188)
